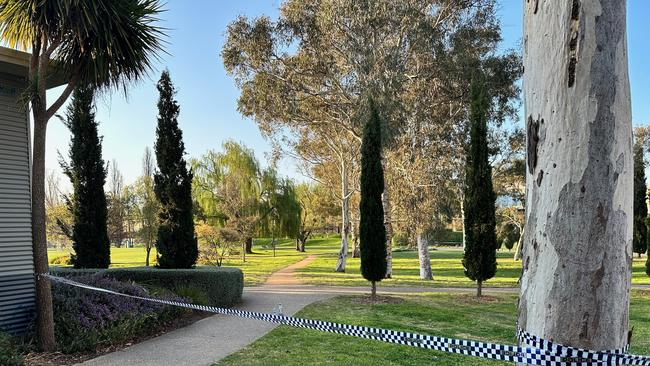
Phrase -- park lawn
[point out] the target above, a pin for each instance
(445, 264)
(257, 268)
(120, 257)
(451, 315)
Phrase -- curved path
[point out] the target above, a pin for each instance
(213, 338)
(287, 275)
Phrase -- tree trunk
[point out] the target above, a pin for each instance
(520, 241)
(44, 317)
(345, 216)
(577, 251)
(249, 245)
(385, 201)
(354, 231)
(148, 254)
(462, 217)
(479, 289)
(243, 252)
(373, 291)
(343, 253)
(423, 255)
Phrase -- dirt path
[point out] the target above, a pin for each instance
(287, 275)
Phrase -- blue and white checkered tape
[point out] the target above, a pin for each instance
(536, 351)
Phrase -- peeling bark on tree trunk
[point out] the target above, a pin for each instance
(345, 217)
(578, 243)
(423, 255)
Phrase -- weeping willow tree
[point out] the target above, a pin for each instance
(233, 191)
(227, 188)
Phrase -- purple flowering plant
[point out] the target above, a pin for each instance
(85, 319)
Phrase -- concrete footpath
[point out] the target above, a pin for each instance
(214, 338)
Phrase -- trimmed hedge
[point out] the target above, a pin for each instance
(222, 286)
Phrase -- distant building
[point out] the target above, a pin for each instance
(17, 293)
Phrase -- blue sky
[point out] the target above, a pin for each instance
(208, 97)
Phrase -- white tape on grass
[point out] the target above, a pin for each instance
(536, 352)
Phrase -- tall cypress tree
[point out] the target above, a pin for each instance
(372, 232)
(87, 174)
(479, 259)
(640, 238)
(176, 244)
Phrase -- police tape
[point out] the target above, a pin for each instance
(537, 352)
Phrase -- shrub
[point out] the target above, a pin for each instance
(222, 286)
(400, 240)
(87, 319)
(10, 353)
(63, 260)
(215, 244)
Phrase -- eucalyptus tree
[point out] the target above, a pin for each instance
(305, 74)
(147, 204)
(575, 284)
(116, 205)
(318, 211)
(101, 44)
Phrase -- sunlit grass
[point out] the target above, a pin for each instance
(445, 263)
(451, 315)
(258, 266)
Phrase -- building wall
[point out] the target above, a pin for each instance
(17, 294)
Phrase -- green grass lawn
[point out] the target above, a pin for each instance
(257, 268)
(445, 263)
(451, 315)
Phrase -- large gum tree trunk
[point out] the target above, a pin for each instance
(423, 256)
(577, 251)
(345, 218)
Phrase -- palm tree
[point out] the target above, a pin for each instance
(98, 43)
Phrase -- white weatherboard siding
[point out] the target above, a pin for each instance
(17, 295)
